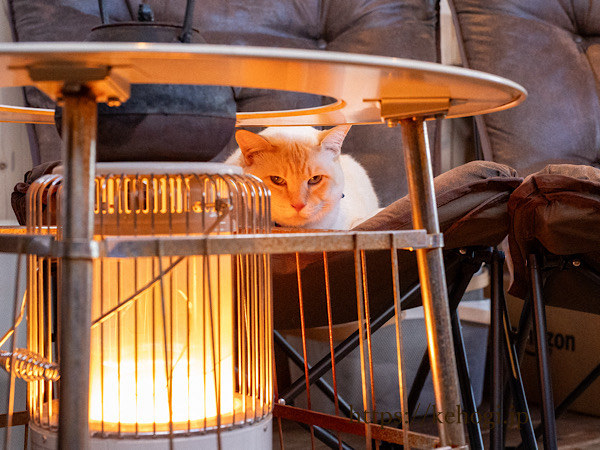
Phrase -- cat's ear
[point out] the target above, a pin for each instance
(250, 144)
(333, 139)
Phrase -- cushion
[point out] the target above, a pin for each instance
(556, 211)
(471, 205)
(552, 48)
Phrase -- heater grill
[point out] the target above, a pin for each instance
(180, 345)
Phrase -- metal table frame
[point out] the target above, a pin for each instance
(368, 89)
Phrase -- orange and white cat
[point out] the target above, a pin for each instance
(312, 184)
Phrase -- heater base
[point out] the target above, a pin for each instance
(257, 436)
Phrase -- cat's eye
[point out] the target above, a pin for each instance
(277, 180)
(315, 180)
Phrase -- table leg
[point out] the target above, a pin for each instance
(433, 284)
(75, 296)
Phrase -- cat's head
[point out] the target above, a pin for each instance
(301, 167)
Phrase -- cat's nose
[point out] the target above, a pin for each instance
(298, 206)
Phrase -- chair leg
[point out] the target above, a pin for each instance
(524, 328)
(522, 413)
(497, 369)
(581, 387)
(326, 437)
(468, 397)
(324, 387)
(505, 355)
(469, 268)
(418, 384)
(548, 417)
(595, 373)
(574, 395)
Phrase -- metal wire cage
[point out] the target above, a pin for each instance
(180, 345)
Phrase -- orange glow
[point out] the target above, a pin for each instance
(129, 382)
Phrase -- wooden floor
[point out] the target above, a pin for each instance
(575, 432)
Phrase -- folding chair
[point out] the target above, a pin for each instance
(549, 48)
(555, 250)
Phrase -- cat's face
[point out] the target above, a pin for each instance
(301, 167)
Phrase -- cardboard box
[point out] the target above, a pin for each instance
(574, 343)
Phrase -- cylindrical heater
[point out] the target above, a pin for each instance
(181, 346)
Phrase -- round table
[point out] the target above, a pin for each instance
(366, 89)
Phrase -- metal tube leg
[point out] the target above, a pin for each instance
(79, 155)
(468, 396)
(548, 418)
(497, 375)
(433, 281)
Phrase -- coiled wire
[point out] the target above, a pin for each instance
(29, 366)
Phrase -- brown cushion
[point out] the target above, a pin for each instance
(555, 211)
(471, 201)
(18, 198)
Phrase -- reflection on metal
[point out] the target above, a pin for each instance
(29, 366)
(402, 108)
(357, 82)
(21, 114)
(116, 247)
(433, 279)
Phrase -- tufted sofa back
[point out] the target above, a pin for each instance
(552, 48)
(407, 29)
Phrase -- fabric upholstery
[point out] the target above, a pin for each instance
(18, 197)
(557, 210)
(552, 48)
(472, 205)
(383, 27)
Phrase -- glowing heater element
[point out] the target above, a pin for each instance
(138, 361)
